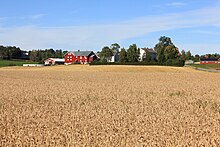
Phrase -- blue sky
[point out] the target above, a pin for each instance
(89, 25)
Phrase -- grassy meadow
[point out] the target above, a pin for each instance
(207, 66)
(4, 63)
(82, 105)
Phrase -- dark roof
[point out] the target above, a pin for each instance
(116, 53)
(82, 53)
(208, 59)
(150, 50)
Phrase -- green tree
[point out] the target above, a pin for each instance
(197, 58)
(2, 52)
(115, 48)
(171, 52)
(64, 52)
(161, 46)
(33, 55)
(58, 54)
(10, 52)
(188, 55)
(123, 56)
(41, 55)
(132, 53)
(106, 54)
(183, 55)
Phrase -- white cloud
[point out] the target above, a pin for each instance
(176, 4)
(206, 32)
(95, 36)
(201, 48)
(37, 16)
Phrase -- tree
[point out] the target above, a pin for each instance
(183, 55)
(171, 52)
(64, 52)
(10, 52)
(161, 46)
(132, 53)
(115, 48)
(47, 53)
(197, 58)
(123, 56)
(106, 54)
(188, 55)
(41, 55)
(216, 56)
(16, 52)
(33, 55)
(58, 54)
(2, 52)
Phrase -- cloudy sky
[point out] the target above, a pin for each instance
(91, 24)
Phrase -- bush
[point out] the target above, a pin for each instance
(170, 62)
(11, 64)
(123, 63)
(76, 63)
(175, 62)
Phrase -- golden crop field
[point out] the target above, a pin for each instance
(109, 106)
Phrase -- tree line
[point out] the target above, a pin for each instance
(10, 52)
(41, 55)
(166, 53)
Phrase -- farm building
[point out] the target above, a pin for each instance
(115, 57)
(53, 61)
(80, 57)
(153, 53)
(187, 62)
(209, 61)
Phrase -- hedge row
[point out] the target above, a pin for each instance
(173, 62)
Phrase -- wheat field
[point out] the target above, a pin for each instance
(82, 105)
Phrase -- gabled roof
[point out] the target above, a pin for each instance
(116, 53)
(82, 53)
(149, 50)
(55, 59)
(208, 59)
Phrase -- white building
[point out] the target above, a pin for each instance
(53, 61)
(152, 52)
(114, 58)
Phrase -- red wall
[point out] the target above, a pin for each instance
(70, 58)
(90, 59)
(208, 62)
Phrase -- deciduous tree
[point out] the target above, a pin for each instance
(161, 46)
(123, 56)
(132, 53)
(171, 52)
(106, 54)
(188, 55)
(183, 55)
(115, 48)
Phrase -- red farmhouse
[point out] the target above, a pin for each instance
(208, 61)
(80, 57)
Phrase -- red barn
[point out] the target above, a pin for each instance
(80, 57)
(208, 61)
